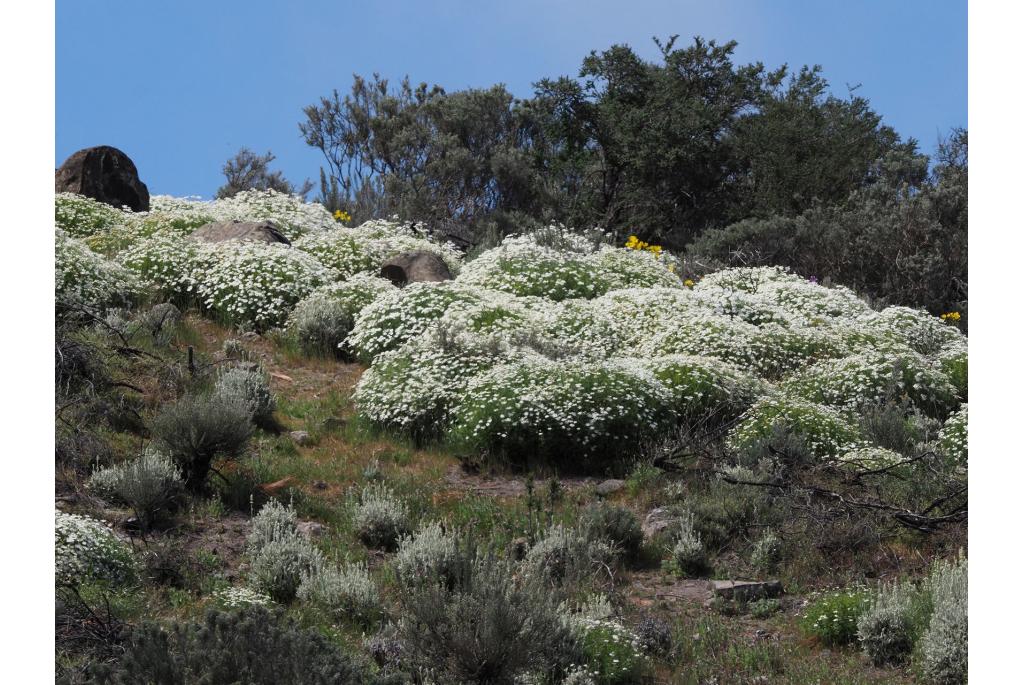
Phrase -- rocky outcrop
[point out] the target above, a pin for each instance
(106, 174)
(419, 266)
(256, 231)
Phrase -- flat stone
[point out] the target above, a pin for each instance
(253, 231)
(657, 521)
(744, 590)
(300, 437)
(607, 487)
(418, 266)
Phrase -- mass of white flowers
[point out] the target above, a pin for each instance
(88, 550)
(85, 277)
(953, 437)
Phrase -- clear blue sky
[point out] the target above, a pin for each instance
(181, 85)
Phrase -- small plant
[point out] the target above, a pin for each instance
(429, 555)
(944, 644)
(274, 521)
(238, 597)
(614, 654)
(197, 429)
(566, 555)
(614, 524)
(654, 634)
(150, 485)
(763, 608)
(767, 552)
(688, 556)
(348, 591)
(251, 387)
(87, 550)
(279, 566)
(321, 322)
(886, 629)
(832, 618)
(380, 518)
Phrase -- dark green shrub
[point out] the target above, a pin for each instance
(196, 429)
(251, 645)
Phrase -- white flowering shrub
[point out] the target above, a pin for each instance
(825, 431)
(944, 643)
(703, 385)
(747, 279)
(250, 387)
(580, 327)
(405, 314)
(876, 377)
(345, 591)
(870, 458)
(810, 303)
(322, 320)
(240, 597)
(81, 217)
(88, 550)
(431, 554)
(522, 267)
(562, 410)
(953, 437)
(953, 362)
(914, 328)
(82, 276)
(832, 617)
(290, 213)
(614, 653)
(623, 268)
(167, 262)
(707, 335)
(256, 284)
(380, 518)
(642, 313)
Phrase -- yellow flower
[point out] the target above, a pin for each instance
(342, 216)
(688, 283)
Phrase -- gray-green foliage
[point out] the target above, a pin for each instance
(345, 591)
(252, 387)
(198, 428)
(567, 555)
(615, 524)
(944, 644)
(278, 568)
(274, 521)
(688, 556)
(429, 555)
(380, 518)
(149, 484)
(767, 552)
(886, 628)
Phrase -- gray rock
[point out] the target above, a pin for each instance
(300, 437)
(310, 529)
(418, 266)
(256, 231)
(106, 174)
(607, 487)
(658, 521)
(745, 591)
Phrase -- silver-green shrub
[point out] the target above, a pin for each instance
(321, 322)
(430, 554)
(342, 592)
(149, 484)
(885, 629)
(252, 387)
(274, 521)
(566, 554)
(767, 552)
(688, 556)
(279, 566)
(944, 644)
(380, 518)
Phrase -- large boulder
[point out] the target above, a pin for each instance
(106, 174)
(257, 231)
(418, 266)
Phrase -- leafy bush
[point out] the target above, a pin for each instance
(825, 431)
(166, 262)
(197, 428)
(767, 552)
(944, 643)
(322, 320)
(279, 566)
(250, 645)
(614, 524)
(256, 284)
(487, 627)
(342, 592)
(583, 413)
(251, 388)
(149, 484)
(87, 550)
(84, 277)
(429, 555)
(380, 518)
(832, 618)
(886, 629)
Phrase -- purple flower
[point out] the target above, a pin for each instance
(813, 279)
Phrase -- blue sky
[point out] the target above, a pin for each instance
(181, 85)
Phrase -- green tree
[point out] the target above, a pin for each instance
(248, 171)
